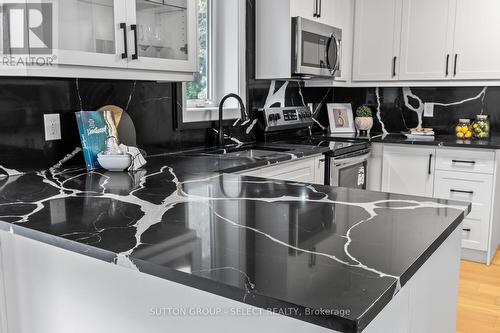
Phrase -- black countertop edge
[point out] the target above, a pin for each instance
(439, 140)
(377, 307)
(59, 242)
(251, 298)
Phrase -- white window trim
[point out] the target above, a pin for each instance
(226, 52)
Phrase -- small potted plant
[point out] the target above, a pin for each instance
(364, 120)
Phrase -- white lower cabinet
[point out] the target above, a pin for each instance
(307, 170)
(408, 170)
(456, 174)
(476, 188)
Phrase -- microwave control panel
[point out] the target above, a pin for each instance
(275, 119)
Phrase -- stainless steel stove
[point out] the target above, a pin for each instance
(347, 162)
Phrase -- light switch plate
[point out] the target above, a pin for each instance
(428, 109)
(52, 123)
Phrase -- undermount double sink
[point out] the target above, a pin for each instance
(256, 152)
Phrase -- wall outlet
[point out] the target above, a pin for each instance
(52, 123)
(429, 110)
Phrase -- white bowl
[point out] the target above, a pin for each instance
(114, 162)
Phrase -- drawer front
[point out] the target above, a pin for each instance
(302, 170)
(470, 187)
(302, 174)
(465, 160)
(474, 234)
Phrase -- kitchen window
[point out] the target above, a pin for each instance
(198, 92)
(222, 44)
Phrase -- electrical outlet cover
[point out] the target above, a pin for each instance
(429, 110)
(52, 123)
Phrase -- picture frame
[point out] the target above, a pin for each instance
(341, 118)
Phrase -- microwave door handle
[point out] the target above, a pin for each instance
(328, 45)
(339, 50)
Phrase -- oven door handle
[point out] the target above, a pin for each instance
(351, 160)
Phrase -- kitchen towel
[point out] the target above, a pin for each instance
(138, 161)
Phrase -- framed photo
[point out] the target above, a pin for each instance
(341, 118)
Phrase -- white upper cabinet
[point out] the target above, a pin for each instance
(427, 39)
(119, 39)
(10, 68)
(376, 40)
(432, 40)
(308, 9)
(163, 34)
(477, 42)
(87, 33)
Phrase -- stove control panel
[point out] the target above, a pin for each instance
(276, 119)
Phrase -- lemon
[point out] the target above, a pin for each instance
(460, 135)
(468, 135)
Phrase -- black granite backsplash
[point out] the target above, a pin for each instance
(395, 109)
(400, 107)
(24, 101)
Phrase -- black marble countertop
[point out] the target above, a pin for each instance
(439, 140)
(343, 253)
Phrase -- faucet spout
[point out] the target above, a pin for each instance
(243, 117)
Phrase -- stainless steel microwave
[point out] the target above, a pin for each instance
(317, 49)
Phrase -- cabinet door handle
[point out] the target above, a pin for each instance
(430, 163)
(320, 8)
(462, 191)
(135, 56)
(447, 64)
(455, 65)
(125, 42)
(464, 162)
(394, 66)
(315, 14)
(467, 229)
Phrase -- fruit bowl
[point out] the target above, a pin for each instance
(114, 162)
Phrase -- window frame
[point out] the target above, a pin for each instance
(220, 81)
(209, 101)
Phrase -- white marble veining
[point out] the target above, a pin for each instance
(419, 109)
(379, 116)
(9, 172)
(274, 96)
(153, 213)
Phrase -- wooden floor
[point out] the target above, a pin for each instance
(479, 297)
